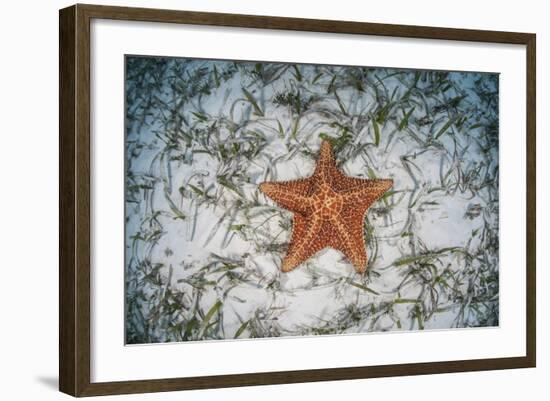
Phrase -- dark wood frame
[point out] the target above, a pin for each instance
(74, 199)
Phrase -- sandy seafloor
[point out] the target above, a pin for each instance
(204, 246)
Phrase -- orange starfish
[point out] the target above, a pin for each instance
(329, 211)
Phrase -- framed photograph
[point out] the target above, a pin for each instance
(250, 200)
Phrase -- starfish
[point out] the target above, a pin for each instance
(329, 210)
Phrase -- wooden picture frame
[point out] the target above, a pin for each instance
(75, 207)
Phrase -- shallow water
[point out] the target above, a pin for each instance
(204, 246)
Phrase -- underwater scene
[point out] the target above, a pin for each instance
(267, 199)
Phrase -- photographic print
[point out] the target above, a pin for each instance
(267, 199)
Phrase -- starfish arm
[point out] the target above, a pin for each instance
(366, 192)
(345, 184)
(326, 165)
(305, 242)
(349, 238)
(291, 195)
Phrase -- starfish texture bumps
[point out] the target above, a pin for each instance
(329, 210)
